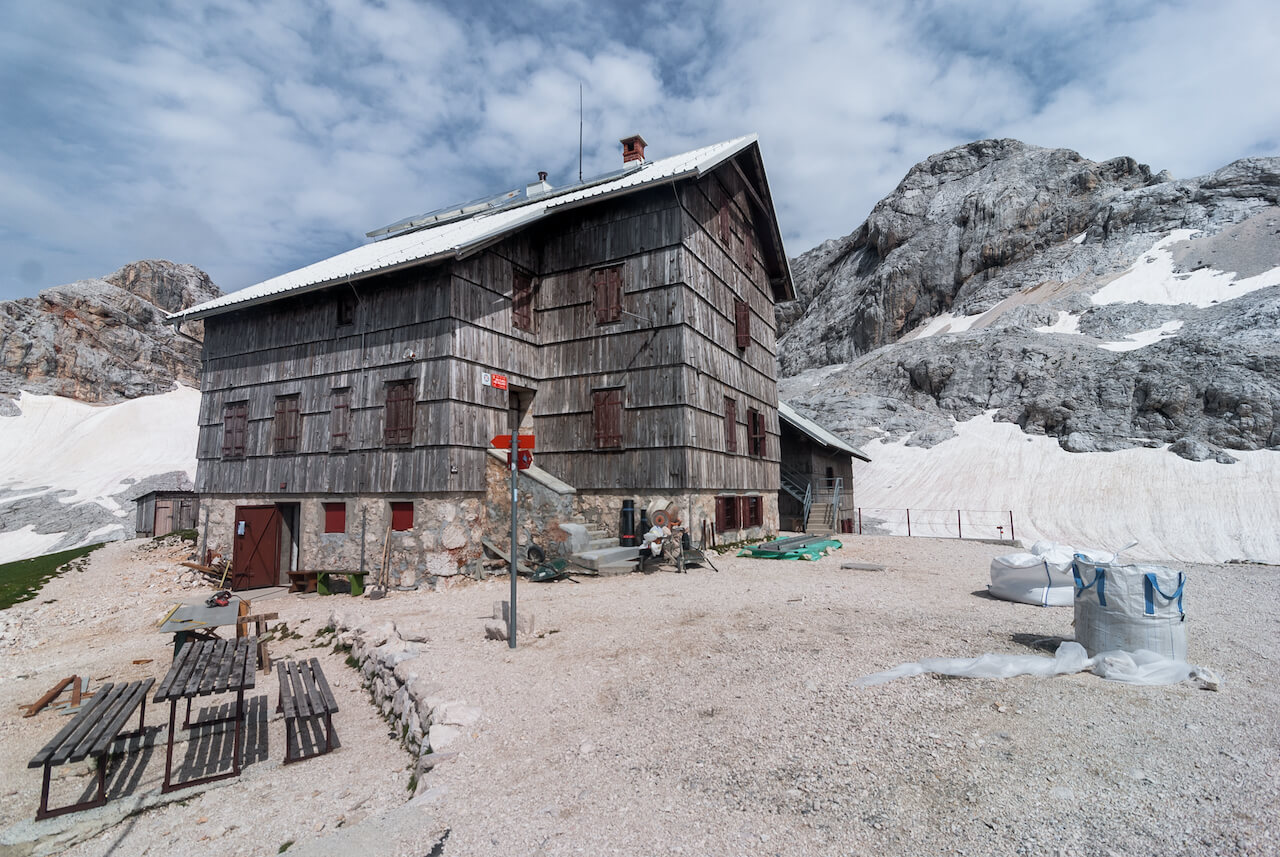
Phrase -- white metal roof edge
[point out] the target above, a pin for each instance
(817, 432)
(531, 212)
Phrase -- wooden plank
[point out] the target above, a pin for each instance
(284, 675)
(175, 668)
(35, 707)
(192, 685)
(330, 704)
(136, 695)
(87, 724)
(314, 698)
(225, 661)
(300, 701)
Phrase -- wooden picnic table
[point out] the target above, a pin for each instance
(202, 668)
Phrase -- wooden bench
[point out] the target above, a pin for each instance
(304, 695)
(259, 621)
(90, 734)
(354, 578)
(303, 581)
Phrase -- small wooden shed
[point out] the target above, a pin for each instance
(162, 512)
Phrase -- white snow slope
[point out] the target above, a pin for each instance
(1177, 510)
(92, 452)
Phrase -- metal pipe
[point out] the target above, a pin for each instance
(908, 522)
(959, 529)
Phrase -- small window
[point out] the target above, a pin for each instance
(522, 300)
(284, 428)
(752, 511)
(399, 416)
(335, 517)
(340, 418)
(235, 421)
(346, 309)
(606, 418)
(726, 514)
(402, 516)
(730, 425)
(741, 323)
(606, 284)
(755, 433)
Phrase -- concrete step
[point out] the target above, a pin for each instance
(615, 569)
(597, 559)
(601, 543)
(594, 533)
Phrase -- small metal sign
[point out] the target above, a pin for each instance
(499, 381)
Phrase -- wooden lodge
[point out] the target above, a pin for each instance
(627, 322)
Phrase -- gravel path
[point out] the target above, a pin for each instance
(713, 714)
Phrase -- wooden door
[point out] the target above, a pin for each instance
(256, 547)
(164, 517)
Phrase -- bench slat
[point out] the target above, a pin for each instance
(86, 726)
(171, 677)
(330, 704)
(215, 668)
(102, 722)
(136, 695)
(300, 698)
(237, 678)
(314, 700)
(95, 702)
(250, 662)
(283, 675)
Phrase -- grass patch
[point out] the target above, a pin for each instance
(285, 847)
(21, 580)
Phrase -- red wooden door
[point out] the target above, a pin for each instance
(256, 547)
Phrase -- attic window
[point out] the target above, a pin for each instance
(346, 309)
(741, 323)
(522, 300)
(399, 416)
(755, 433)
(285, 426)
(606, 418)
(235, 420)
(606, 285)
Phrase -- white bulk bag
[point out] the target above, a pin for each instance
(1030, 579)
(1129, 607)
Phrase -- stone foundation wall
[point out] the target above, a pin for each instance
(446, 533)
(542, 509)
(604, 510)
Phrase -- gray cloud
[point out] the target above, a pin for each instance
(251, 139)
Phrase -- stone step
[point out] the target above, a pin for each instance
(615, 569)
(606, 556)
(601, 543)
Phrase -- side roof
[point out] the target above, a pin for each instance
(817, 432)
(459, 238)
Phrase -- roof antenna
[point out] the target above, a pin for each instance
(579, 133)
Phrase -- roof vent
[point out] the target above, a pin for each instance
(632, 148)
(539, 187)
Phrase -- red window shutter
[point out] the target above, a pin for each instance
(742, 323)
(399, 414)
(340, 418)
(730, 425)
(335, 517)
(402, 516)
(607, 286)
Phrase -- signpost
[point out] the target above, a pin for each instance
(520, 461)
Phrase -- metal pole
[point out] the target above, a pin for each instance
(1011, 536)
(959, 531)
(511, 615)
(908, 522)
(859, 520)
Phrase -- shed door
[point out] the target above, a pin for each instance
(164, 517)
(256, 547)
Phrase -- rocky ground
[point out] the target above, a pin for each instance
(709, 713)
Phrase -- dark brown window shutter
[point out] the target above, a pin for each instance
(284, 426)
(725, 220)
(521, 300)
(607, 286)
(730, 425)
(749, 249)
(720, 527)
(606, 418)
(340, 418)
(742, 323)
(755, 433)
(399, 414)
(235, 419)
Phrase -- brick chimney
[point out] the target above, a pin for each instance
(632, 148)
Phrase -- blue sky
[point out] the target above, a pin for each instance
(250, 138)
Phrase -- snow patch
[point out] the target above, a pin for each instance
(1178, 510)
(1153, 280)
(1067, 323)
(26, 542)
(1079, 239)
(943, 323)
(1133, 341)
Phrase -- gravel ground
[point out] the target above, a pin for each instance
(713, 714)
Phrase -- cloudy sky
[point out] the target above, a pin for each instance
(250, 137)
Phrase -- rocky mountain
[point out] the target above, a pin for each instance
(103, 340)
(98, 404)
(1100, 304)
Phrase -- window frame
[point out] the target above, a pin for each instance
(607, 407)
(751, 512)
(727, 513)
(345, 310)
(235, 429)
(286, 424)
(398, 414)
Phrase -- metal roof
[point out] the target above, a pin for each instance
(459, 237)
(817, 432)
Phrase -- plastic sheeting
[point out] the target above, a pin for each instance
(1140, 667)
